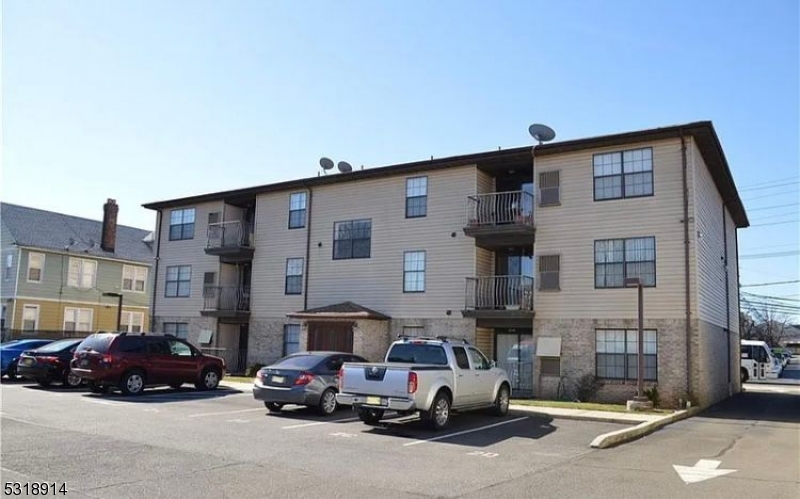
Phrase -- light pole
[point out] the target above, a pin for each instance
(118, 296)
(636, 282)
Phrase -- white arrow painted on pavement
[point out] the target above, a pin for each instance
(703, 470)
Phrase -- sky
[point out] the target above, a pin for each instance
(143, 101)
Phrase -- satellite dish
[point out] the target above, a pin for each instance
(345, 167)
(326, 163)
(542, 133)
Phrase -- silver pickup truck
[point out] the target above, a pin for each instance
(431, 376)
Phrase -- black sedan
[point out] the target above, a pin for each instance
(50, 363)
(304, 378)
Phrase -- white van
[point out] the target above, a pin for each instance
(758, 363)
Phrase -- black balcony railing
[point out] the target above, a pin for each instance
(226, 298)
(235, 234)
(500, 208)
(506, 292)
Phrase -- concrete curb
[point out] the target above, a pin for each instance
(581, 415)
(627, 434)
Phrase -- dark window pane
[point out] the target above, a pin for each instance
(174, 232)
(297, 219)
(294, 285)
(342, 249)
(361, 248)
(416, 206)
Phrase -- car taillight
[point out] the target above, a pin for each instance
(48, 359)
(107, 359)
(304, 378)
(412, 382)
(260, 376)
(340, 378)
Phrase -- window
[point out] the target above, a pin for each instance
(131, 344)
(617, 354)
(177, 329)
(179, 279)
(157, 346)
(416, 197)
(35, 267)
(78, 319)
(352, 239)
(82, 273)
(297, 210)
(179, 349)
(294, 276)
(618, 259)
(413, 331)
(8, 268)
(478, 360)
(181, 224)
(132, 322)
(551, 366)
(414, 272)
(624, 174)
(549, 271)
(549, 188)
(291, 338)
(462, 361)
(214, 217)
(30, 317)
(134, 278)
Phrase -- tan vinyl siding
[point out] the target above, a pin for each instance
(485, 183)
(186, 252)
(569, 230)
(274, 243)
(484, 340)
(377, 282)
(51, 314)
(485, 262)
(708, 239)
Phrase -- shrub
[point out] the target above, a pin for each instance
(587, 388)
(652, 395)
(252, 370)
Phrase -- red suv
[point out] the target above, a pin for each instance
(131, 362)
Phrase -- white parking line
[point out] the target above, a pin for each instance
(441, 437)
(225, 412)
(104, 402)
(306, 425)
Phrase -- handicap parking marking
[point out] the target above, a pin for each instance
(318, 423)
(464, 432)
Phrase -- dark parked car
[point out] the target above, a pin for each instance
(10, 352)
(132, 362)
(50, 363)
(305, 378)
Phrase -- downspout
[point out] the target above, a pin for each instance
(727, 291)
(155, 269)
(686, 270)
(308, 248)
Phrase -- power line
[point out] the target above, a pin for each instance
(774, 194)
(775, 186)
(774, 254)
(770, 297)
(777, 223)
(772, 274)
(769, 283)
(764, 217)
(774, 206)
(765, 182)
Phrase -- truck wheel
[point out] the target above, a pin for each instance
(502, 401)
(370, 416)
(439, 415)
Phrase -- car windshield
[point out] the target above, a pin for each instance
(57, 346)
(303, 362)
(421, 353)
(97, 342)
(8, 343)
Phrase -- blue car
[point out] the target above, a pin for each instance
(10, 352)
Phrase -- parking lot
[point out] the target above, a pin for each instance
(213, 444)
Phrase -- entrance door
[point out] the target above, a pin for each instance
(330, 336)
(514, 353)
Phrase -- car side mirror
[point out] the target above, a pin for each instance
(492, 364)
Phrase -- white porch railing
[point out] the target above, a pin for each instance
(505, 292)
(500, 208)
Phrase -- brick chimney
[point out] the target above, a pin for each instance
(109, 238)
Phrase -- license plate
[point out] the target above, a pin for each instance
(26, 362)
(279, 379)
(84, 362)
(374, 401)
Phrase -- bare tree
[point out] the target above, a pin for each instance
(763, 323)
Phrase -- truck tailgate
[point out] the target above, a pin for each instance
(387, 380)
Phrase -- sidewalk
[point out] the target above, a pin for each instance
(636, 424)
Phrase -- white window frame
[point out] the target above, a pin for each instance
(414, 265)
(174, 328)
(127, 321)
(35, 308)
(136, 272)
(78, 280)
(294, 328)
(40, 268)
(9, 264)
(77, 320)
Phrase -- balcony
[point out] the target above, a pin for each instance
(230, 302)
(231, 241)
(500, 301)
(500, 219)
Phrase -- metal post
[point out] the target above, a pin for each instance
(119, 316)
(640, 374)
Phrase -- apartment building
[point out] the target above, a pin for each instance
(56, 268)
(524, 251)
